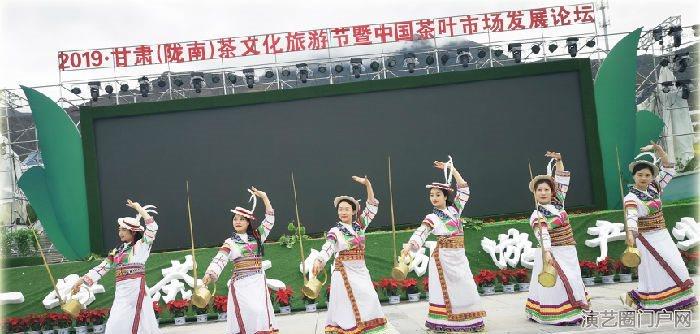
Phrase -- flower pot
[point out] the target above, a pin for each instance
(311, 307)
(413, 297)
(98, 328)
(427, 295)
(222, 316)
(588, 281)
(202, 317)
(625, 278)
(608, 279)
(48, 331)
(81, 330)
(523, 287)
(63, 330)
(34, 332)
(489, 290)
(509, 288)
(179, 321)
(285, 309)
(394, 299)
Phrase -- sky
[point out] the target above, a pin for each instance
(33, 31)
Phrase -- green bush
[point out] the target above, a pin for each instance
(20, 240)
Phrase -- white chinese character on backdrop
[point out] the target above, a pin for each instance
(86, 295)
(511, 249)
(606, 231)
(687, 232)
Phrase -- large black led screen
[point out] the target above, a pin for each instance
(491, 128)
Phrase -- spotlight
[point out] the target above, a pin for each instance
(109, 89)
(215, 78)
(658, 34)
(410, 61)
(356, 64)
(303, 72)
(481, 53)
(124, 88)
(535, 48)
(286, 72)
(497, 52)
(75, 90)
(391, 62)
(374, 66)
(552, 47)
(684, 86)
(516, 49)
(178, 82)
(675, 31)
(666, 86)
(322, 69)
(161, 82)
(590, 43)
(338, 68)
(680, 61)
(463, 57)
(197, 81)
(664, 62)
(144, 87)
(94, 90)
(231, 78)
(430, 60)
(444, 58)
(269, 74)
(249, 74)
(572, 46)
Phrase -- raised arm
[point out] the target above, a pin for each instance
(149, 234)
(668, 170)
(372, 206)
(561, 177)
(269, 221)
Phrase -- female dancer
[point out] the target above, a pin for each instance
(455, 305)
(353, 305)
(664, 282)
(562, 304)
(249, 307)
(132, 310)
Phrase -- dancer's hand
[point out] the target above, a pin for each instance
(318, 266)
(548, 257)
(207, 279)
(361, 180)
(405, 251)
(258, 193)
(76, 286)
(439, 165)
(630, 239)
(134, 205)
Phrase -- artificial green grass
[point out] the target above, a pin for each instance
(33, 281)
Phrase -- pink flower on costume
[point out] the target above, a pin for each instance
(358, 240)
(655, 204)
(453, 223)
(250, 247)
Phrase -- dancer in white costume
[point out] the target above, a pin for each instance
(353, 305)
(455, 305)
(249, 308)
(564, 303)
(132, 310)
(664, 282)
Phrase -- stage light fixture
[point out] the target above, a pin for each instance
(684, 86)
(124, 88)
(463, 57)
(516, 50)
(94, 90)
(675, 31)
(197, 81)
(572, 46)
(338, 68)
(144, 86)
(249, 74)
(374, 66)
(75, 90)
(680, 61)
(391, 62)
(552, 47)
(109, 89)
(535, 48)
(430, 60)
(303, 72)
(231, 78)
(444, 58)
(356, 67)
(481, 53)
(269, 74)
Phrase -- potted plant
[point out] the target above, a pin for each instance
(15, 325)
(34, 322)
(507, 279)
(522, 276)
(62, 322)
(220, 306)
(177, 309)
(588, 271)
(391, 289)
(486, 279)
(97, 318)
(200, 313)
(82, 321)
(410, 285)
(284, 299)
(156, 309)
(623, 271)
(426, 288)
(309, 303)
(606, 269)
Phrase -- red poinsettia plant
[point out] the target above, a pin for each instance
(390, 286)
(620, 268)
(588, 268)
(83, 318)
(606, 267)
(34, 321)
(98, 317)
(284, 296)
(58, 320)
(16, 325)
(156, 309)
(409, 285)
(178, 307)
(522, 275)
(485, 277)
(220, 303)
(506, 276)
